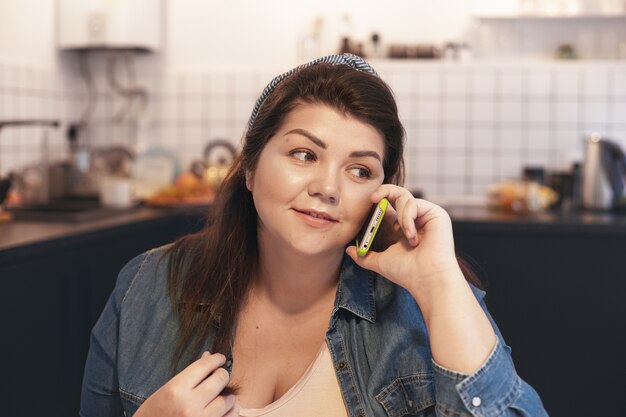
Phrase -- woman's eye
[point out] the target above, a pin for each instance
(361, 172)
(303, 155)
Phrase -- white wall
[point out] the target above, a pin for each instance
(265, 33)
(27, 32)
(202, 34)
(223, 34)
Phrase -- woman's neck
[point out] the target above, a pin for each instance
(296, 283)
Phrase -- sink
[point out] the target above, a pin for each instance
(67, 211)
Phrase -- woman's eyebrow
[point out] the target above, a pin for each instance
(309, 136)
(323, 145)
(361, 154)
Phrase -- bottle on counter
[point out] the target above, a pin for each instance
(465, 53)
(376, 49)
(450, 51)
(577, 200)
(309, 43)
(345, 45)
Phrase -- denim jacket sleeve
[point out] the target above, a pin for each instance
(493, 390)
(100, 395)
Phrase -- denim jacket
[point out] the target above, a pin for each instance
(377, 338)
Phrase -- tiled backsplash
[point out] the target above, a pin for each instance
(28, 92)
(468, 125)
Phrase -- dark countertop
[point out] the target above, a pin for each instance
(17, 235)
(32, 237)
(573, 222)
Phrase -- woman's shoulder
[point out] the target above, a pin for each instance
(146, 272)
(147, 326)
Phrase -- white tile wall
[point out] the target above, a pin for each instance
(468, 125)
(489, 121)
(28, 92)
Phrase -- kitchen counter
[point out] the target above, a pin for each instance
(17, 235)
(26, 238)
(30, 238)
(572, 223)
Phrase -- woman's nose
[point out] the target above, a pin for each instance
(325, 186)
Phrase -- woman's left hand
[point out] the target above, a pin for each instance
(421, 244)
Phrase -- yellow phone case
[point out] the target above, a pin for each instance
(372, 227)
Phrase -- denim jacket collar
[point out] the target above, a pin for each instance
(355, 291)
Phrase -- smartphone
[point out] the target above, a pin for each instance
(378, 213)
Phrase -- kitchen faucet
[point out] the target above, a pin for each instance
(44, 190)
(29, 122)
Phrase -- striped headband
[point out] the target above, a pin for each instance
(350, 60)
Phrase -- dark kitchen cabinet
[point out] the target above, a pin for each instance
(558, 294)
(52, 294)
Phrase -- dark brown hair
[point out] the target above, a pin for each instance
(210, 271)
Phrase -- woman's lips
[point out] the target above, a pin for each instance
(315, 218)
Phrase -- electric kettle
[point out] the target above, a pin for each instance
(603, 174)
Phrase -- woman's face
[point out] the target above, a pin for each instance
(313, 180)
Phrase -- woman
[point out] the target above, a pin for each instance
(298, 323)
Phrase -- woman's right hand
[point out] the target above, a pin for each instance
(193, 392)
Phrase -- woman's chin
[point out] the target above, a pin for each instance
(317, 248)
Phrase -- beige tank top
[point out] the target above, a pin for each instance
(316, 393)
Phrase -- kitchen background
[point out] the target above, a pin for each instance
(503, 104)
(503, 93)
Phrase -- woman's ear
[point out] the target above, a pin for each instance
(249, 180)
